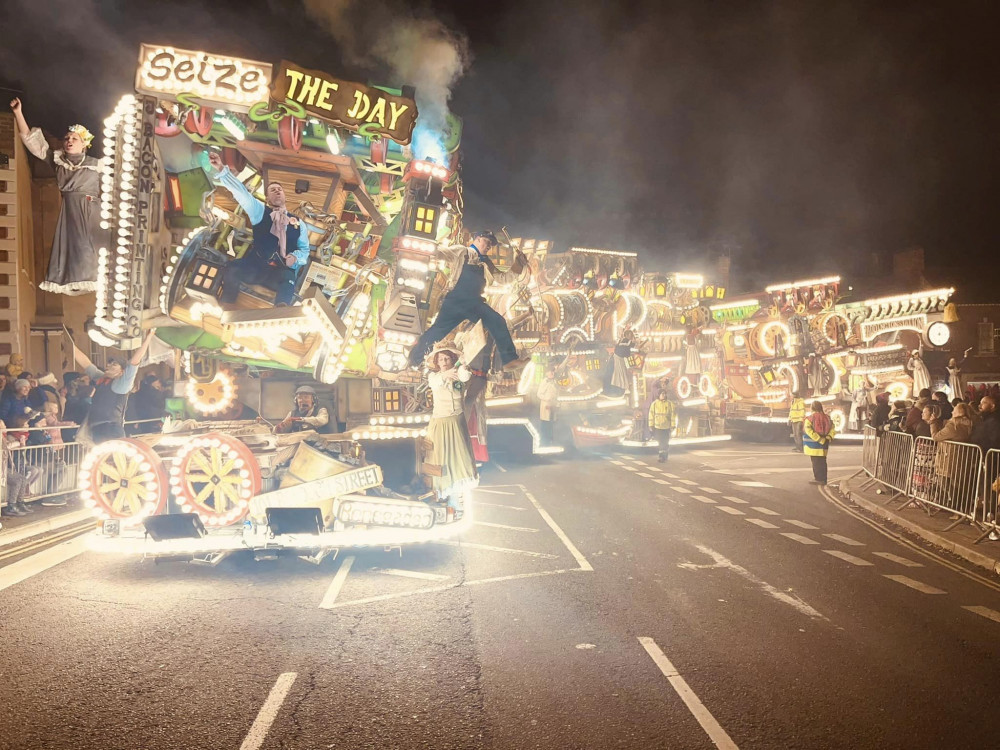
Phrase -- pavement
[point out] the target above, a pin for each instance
(600, 601)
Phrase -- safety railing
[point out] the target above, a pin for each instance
(947, 476)
(47, 470)
(991, 492)
(869, 451)
(894, 462)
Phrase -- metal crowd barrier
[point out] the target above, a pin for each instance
(894, 462)
(56, 468)
(869, 451)
(991, 481)
(947, 476)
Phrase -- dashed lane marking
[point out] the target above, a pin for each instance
(505, 526)
(668, 475)
(683, 490)
(662, 481)
(848, 558)
(704, 499)
(799, 538)
(330, 597)
(750, 484)
(411, 574)
(479, 503)
(986, 612)
(730, 511)
(845, 540)
(923, 588)
(765, 511)
(644, 475)
(762, 523)
(708, 722)
(710, 491)
(689, 482)
(898, 559)
(577, 555)
(616, 462)
(801, 524)
(737, 500)
(268, 712)
(491, 548)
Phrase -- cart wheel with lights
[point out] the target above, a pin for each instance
(215, 475)
(123, 480)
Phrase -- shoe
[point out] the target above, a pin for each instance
(25, 508)
(11, 511)
(516, 364)
(994, 536)
(55, 502)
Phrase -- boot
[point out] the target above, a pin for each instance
(11, 511)
(23, 507)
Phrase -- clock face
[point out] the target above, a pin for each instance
(938, 333)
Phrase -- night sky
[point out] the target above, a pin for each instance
(796, 137)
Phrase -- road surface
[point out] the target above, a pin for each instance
(599, 602)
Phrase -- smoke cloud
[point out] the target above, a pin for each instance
(416, 50)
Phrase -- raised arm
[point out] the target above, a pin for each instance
(22, 125)
(32, 138)
(139, 353)
(253, 207)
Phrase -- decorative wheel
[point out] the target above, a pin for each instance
(213, 396)
(215, 475)
(683, 387)
(290, 133)
(123, 479)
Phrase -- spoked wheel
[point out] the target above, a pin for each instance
(290, 133)
(215, 475)
(123, 479)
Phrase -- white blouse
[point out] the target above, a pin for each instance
(448, 400)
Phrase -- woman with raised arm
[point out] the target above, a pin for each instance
(73, 261)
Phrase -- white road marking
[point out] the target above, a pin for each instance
(750, 484)
(505, 526)
(847, 558)
(765, 511)
(411, 574)
(330, 597)
(799, 538)
(644, 475)
(708, 722)
(704, 499)
(898, 559)
(492, 492)
(41, 561)
(986, 612)
(730, 511)
(268, 712)
(449, 586)
(580, 559)
(762, 523)
(491, 548)
(502, 469)
(710, 491)
(662, 481)
(801, 524)
(668, 474)
(737, 500)
(683, 490)
(616, 462)
(586, 646)
(721, 562)
(20, 533)
(845, 540)
(689, 482)
(499, 505)
(921, 587)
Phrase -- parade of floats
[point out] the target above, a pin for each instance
(348, 353)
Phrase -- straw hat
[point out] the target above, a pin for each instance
(441, 346)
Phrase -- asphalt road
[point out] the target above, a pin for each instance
(600, 602)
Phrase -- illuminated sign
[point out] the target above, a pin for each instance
(230, 82)
(365, 109)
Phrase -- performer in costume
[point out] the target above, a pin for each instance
(470, 271)
(73, 261)
(447, 430)
(306, 414)
(921, 375)
(692, 357)
(617, 379)
(280, 241)
(475, 401)
(955, 374)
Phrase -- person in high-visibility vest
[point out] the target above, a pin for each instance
(819, 433)
(662, 421)
(796, 416)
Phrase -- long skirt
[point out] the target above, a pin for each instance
(452, 451)
(692, 361)
(73, 262)
(620, 377)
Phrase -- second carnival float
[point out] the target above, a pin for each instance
(350, 353)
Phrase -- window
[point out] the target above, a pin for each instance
(425, 220)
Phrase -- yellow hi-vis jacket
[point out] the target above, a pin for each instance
(662, 415)
(814, 444)
(797, 411)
